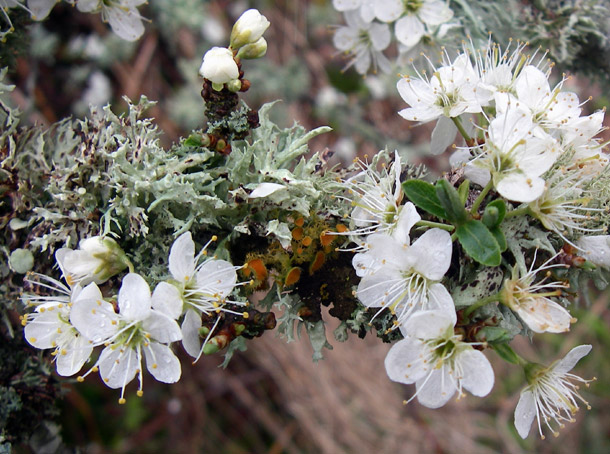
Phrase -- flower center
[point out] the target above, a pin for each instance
(413, 6)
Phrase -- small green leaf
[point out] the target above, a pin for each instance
(506, 353)
(423, 195)
(479, 243)
(451, 202)
(494, 213)
(463, 191)
(493, 335)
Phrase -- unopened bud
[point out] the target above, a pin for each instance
(253, 50)
(248, 29)
(218, 66)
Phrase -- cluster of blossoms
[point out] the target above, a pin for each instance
(220, 64)
(122, 15)
(369, 24)
(534, 157)
(133, 325)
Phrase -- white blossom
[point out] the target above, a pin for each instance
(143, 327)
(551, 396)
(201, 288)
(532, 300)
(437, 360)
(364, 43)
(515, 154)
(123, 15)
(412, 17)
(406, 278)
(49, 326)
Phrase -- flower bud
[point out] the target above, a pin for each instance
(253, 50)
(248, 29)
(218, 66)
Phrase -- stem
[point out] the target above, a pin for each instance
(460, 127)
(438, 225)
(482, 302)
(481, 197)
(522, 210)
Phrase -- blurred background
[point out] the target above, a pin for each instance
(273, 398)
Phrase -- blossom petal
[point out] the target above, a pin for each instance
(191, 341)
(428, 324)
(403, 362)
(161, 327)
(478, 375)
(433, 251)
(94, 319)
(162, 363)
(182, 258)
(518, 187)
(543, 315)
(77, 352)
(389, 10)
(41, 330)
(218, 277)
(134, 298)
(118, 366)
(443, 135)
(436, 389)
(525, 413)
(569, 361)
(435, 12)
(166, 298)
(409, 30)
(40, 8)
(126, 23)
(439, 299)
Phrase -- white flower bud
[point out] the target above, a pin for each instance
(218, 66)
(253, 50)
(248, 29)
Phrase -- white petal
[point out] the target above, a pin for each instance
(161, 327)
(569, 361)
(403, 362)
(436, 390)
(433, 252)
(77, 353)
(94, 319)
(428, 324)
(345, 38)
(265, 189)
(443, 135)
(191, 341)
(162, 363)
(87, 6)
(182, 258)
(41, 330)
(90, 292)
(544, 316)
(41, 8)
(409, 30)
(518, 187)
(346, 5)
(478, 374)
(167, 299)
(435, 12)
(407, 218)
(379, 289)
(439, 299)
(380, 35)
(126, 23)
(134, 298)
(389, 10)
(525, 413)
(532, 87)
(217, 277)
(118, 366)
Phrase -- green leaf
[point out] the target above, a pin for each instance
(494, 335)
(463, 191)
(423, 195)
(479, 243)
(506, 353)
(500, 238)
(494, 213)
(451, 202)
